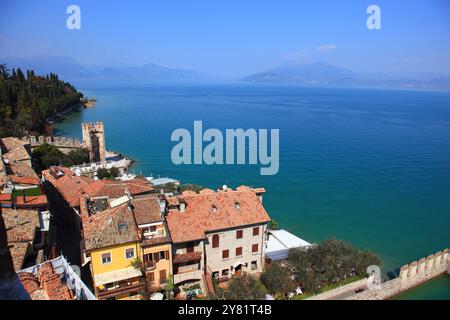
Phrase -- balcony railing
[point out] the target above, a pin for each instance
(150, 265)
(122, 288)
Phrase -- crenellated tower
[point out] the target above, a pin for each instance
(94, 140)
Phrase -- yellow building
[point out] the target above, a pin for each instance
(112, 246)
(127, 245)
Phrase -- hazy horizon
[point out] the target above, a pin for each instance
(234, 39)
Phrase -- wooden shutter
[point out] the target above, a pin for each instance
(239, 251)
(225, 254)
(215, 241)
(151, 276)
(166, 255)
(255, 248)
(162, 275)
(256, 231)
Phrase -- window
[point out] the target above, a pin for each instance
(129, 253)
(256, 231)
(190, 248)
(152, 228)
(106, 258)
(225, 272)
(255, 248)
(151, 276)
(215, 241)
(162, 276)
(254, 265)
(161, 255)
(225, 254)
(239, 234)
(239, 252)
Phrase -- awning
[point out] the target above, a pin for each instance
(116, 276)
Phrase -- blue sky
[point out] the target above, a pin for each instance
(233, 38)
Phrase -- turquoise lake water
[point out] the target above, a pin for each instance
(436, 289)
(368, 166)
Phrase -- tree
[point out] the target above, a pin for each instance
(329, 262)
(277, 279)
(244, 287)
(273, 225)
(110, 174)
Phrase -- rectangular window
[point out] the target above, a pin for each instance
(225, 272)
(225, 254)
(256, 231)
(239, 252)
(254, 265)
(153, 229)
(190, 248)
(239, 234)
(151, 276)
(162, 276)
(255, 248)
(129, 253)
(161, 255)
(106, 258)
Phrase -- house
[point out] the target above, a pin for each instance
(155, 240)
(111, 244)
(219, 233)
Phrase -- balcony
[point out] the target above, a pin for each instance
(188, 275)
(150, 265)
(120, 289)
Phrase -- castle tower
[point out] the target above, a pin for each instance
(94, 140)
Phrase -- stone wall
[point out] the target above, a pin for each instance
(64, 144)
(411, 275)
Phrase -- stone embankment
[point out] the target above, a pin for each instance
(411, 275)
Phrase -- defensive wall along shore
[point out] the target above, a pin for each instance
(411, 275)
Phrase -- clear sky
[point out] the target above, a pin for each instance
(230, 37)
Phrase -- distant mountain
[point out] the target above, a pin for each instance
(319, 73)
(69, 69)
(64, 66)
(306, 73)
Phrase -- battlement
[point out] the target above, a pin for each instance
(59, 142)
(94, 140)
(433, 264)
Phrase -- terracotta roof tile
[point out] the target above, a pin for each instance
(146, 210)
(33, 180)
(46, 285)
(214, 211)
(32, 201)
(110, 227)
(14, 149)
(116, 189)
(20, 224)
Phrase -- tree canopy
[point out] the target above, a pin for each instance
(29, 101)
(47, 155)
(329, 262)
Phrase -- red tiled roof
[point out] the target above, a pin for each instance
(38, 201)
(33, 180)
(47, 285)
(116, 189)
(14, 149)
(146, 210)
(5, 196)
(233, 209)
(70, 186)
(21, 226)
(110, 227)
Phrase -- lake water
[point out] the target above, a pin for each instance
(368, 166)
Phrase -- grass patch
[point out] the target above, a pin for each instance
(28, 192)
(327, 288)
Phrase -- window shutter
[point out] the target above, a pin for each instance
(215, 241)
(167, 255)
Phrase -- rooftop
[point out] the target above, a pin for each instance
(146, 210)
(21, 226)
(210, 211)
(110, 227)
(14, 149)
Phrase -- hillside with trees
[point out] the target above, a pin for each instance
(29, 101)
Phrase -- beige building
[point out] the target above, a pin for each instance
(219, 234)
